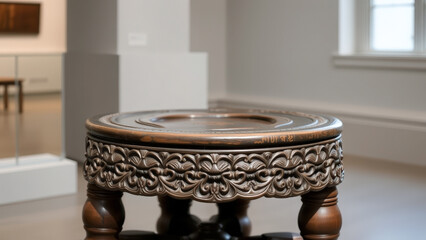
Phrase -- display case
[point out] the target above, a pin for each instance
(31, 123)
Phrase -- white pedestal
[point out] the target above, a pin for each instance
(36, 176)
(157, 81)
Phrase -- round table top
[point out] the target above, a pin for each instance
(215, 128)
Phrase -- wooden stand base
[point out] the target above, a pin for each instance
(103, 216)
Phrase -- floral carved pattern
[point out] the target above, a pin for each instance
(214, 177)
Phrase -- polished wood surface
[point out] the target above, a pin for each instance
(6, 82)
(210, 231)
(103, 214)
(320, 217)
(137, 235)
(220, 156)
(233, 217)
(282, 236)
(216, 128)
(210, 175)
(175, 218)
(19, 18)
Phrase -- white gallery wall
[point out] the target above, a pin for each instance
(91, 68)
(157, 69)
(284, 49)
(40, 55)
(280, 54)
(92, 26)
(162, 24)
(208, 34)
(128, 55)
(51, 39)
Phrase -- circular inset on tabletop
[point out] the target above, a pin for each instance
(214, 122)
(215, 128)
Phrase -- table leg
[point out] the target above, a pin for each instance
(175, 217)
(233, 217)
(21, 97)
(103, 214)
(319, 217)
(5, 98)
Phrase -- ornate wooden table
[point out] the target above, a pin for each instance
(6, 82)
(227, 157)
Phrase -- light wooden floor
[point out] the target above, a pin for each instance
(378, 200)
(38, 127)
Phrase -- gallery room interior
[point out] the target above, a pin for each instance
(344, 58)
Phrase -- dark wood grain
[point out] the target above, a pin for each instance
(319, 217)
(223, 156)
(233, 217)
(175, 218)
(210, 231)
(5, 96)
(215, 128)
(103, 214)
(8, 81)
(19, 18)
(137, 235)
(282, 236)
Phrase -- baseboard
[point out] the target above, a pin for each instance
(35, 177)
(377, 133)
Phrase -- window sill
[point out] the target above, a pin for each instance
(394, 61)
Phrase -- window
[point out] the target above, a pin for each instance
(382, 34)
(392, 26)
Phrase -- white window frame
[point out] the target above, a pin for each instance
(354, 39)
(363, 29)
(420, 25)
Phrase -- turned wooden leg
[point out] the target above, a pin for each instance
(5, 98)
(319, 217)
(175, 218)
(233, 217)
(103, 213)
(21, 97)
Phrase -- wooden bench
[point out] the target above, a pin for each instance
(6, 81)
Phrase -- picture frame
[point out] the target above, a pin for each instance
(19, 18)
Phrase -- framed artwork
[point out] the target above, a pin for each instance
(21, 18)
